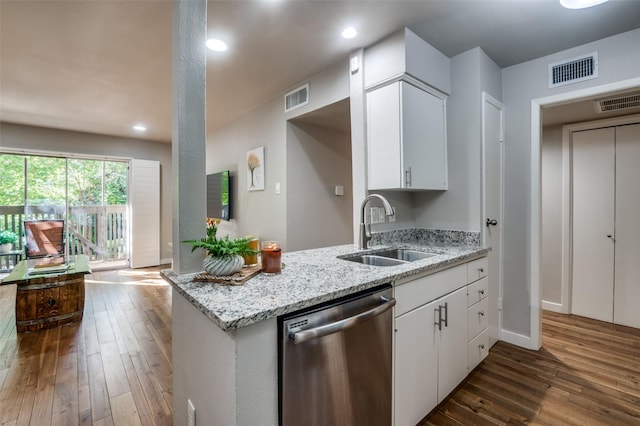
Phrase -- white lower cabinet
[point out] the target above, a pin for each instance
(452, 347)
(478, 349)
(431, 355)
(440, 335)
(416, 365)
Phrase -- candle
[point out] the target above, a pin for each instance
(270, 252)
(252, 259)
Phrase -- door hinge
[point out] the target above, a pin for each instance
(501, 136)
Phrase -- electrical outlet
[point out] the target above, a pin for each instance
(191, 413)
(392, 218)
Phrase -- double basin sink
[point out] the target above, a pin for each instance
(391, 257)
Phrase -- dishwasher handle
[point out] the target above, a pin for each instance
(343, 324)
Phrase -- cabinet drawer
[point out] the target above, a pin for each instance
(478, 349)
(477, 318)
(415, 293)
(477, 269)
(477, 291)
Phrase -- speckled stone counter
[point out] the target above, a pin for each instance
(309, 277)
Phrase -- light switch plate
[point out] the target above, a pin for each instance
(374, 215)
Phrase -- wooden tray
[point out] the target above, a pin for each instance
(238, 278)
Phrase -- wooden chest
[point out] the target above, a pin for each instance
(48, 302)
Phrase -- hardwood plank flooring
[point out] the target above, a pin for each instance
(586, 373)
(113, 368)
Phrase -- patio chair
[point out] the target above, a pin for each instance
(44, 238)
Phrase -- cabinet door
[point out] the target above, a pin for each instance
(383, 137)
(452, 348)
(416, 365)
(423, 139)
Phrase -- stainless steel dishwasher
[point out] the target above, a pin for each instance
(335, 362)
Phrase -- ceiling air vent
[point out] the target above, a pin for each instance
(573, 70)
(296, 98)
(619, 102)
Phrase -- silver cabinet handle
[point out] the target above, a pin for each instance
(481, 270)
(439, 322)
(446, 314)
(407, 177)
(343, 324)
(481, 292)
(481, 346)
(481, 313)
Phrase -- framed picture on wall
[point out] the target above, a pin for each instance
(255, 169)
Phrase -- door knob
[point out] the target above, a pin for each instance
(491, 222)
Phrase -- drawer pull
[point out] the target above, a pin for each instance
(481, 346)
(481, 270)
(51, 302)
(481, 313)
(481, 292)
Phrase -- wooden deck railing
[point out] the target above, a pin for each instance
(97, 231)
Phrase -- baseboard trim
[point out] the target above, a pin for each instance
(552, 306)
(517, 339)
(167, 261)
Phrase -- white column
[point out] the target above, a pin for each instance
(189, 130)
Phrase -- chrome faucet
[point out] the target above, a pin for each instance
(365, 234)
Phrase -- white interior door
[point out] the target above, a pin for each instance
(627, 245)
(492, 190)
(593, 223)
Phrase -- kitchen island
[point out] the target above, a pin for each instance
(225, 354)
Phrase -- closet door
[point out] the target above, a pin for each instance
(593, 223)
(627, 256)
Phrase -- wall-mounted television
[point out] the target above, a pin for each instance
(219, 195)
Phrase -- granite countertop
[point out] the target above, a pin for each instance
(309, 277)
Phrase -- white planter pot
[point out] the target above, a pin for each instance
(6, 248)
(222, 266)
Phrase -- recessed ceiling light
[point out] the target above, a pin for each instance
(216, 45)
(139, 128)
(349, 32)
(580, 4)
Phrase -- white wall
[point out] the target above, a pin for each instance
(619, 59)
(551, 256)
(63, 141)
(318, 159)
(458, 208)
(263, 213)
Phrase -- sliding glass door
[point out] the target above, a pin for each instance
(91, 195)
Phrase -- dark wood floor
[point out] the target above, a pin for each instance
(587, 373)
(114, 368)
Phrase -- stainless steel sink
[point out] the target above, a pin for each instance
(374, 260)
(389, 257)
(407, 255)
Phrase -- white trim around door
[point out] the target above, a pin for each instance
(534, 340)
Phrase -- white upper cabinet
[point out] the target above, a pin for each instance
(406, 138)
(404, 53)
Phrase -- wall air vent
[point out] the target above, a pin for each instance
(573, 70)
(296, 98)
(617, 103)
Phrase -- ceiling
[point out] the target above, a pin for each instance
(101, 66)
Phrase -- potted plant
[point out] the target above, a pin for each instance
(224, 255)
(7, 240)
